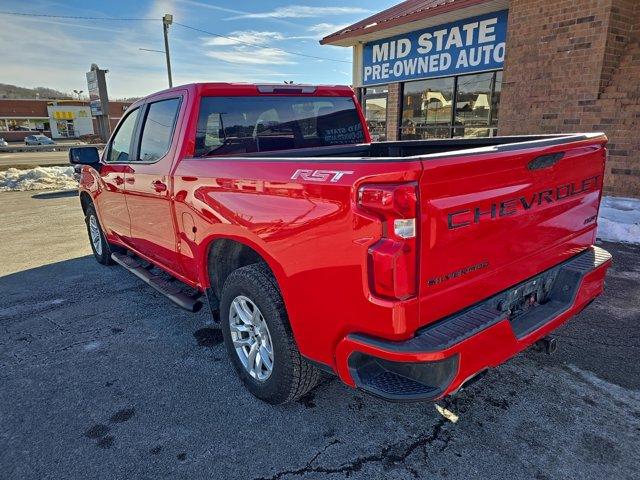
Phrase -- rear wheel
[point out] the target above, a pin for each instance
(259, 340)
(99, 245)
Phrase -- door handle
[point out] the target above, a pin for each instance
(159, 186)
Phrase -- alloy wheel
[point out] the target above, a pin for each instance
(251, 338)
(96, 237)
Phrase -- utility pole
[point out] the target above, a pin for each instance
(166, 21)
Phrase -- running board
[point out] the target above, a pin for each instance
(171, 291)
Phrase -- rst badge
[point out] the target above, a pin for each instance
(320, 175)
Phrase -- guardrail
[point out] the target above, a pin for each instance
(47, 148)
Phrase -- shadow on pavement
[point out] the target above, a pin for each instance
(60, 194)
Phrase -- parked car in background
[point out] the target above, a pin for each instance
(38, 140)
(407, 268)
(3, 143)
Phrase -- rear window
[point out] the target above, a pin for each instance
(236, 125)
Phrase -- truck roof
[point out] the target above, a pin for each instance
(256, 89)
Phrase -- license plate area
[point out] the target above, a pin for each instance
(526, 296)
(528, 305)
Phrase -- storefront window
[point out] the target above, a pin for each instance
(23, 125)
(65, 128)
(375, 111)
(426, 109)
(19, 125)
(473, 105)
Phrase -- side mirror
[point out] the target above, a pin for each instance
(84, 156)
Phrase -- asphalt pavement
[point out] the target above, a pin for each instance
(101, 377)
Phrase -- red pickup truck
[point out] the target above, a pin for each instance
(407, 268)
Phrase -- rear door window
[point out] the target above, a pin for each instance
(237, 125)
(157, 131)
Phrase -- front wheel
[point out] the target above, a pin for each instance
(99, 245)
(259, 340)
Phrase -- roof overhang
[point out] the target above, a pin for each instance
(446, 13)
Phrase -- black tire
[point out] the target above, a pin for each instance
(103, 256)
(292, 375)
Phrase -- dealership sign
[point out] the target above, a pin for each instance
(472, 45)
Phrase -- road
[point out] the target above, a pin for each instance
(104, 378)
(24, 160)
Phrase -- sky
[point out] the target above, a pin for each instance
(56, 53)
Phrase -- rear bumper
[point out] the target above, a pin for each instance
(443, 356)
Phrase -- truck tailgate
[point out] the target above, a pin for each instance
(493, 217)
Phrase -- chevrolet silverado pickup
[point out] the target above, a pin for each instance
(406, 268)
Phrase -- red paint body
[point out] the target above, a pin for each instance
(316, 238)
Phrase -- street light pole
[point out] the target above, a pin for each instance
(166, 21)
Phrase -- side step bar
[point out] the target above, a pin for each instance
(171, 291)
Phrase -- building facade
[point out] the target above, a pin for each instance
(69, 121)
(58, 119)
(464, 68)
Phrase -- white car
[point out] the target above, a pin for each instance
(3, 143)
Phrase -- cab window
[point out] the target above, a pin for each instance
(238, 125)
(121, 144)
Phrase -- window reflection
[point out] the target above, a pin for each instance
(429, 111)
(427, 106)
(375, 111)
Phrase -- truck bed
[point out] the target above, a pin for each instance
(422, 148)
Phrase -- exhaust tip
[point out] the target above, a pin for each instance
(197, 306)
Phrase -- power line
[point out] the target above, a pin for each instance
(73, 17)
(237, 40)
(234, 39)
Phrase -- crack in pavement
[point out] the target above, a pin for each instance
(320, 452)
(392, 454)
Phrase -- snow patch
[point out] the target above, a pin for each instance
(619, 220)
(616, 391)
(39, 178)
(89, 347)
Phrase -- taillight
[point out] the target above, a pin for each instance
(392, 260)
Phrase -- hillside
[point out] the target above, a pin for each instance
(13, 91)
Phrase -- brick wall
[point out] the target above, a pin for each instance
(394, 110)
(574, 65)
(23, 108)
(620, 101)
